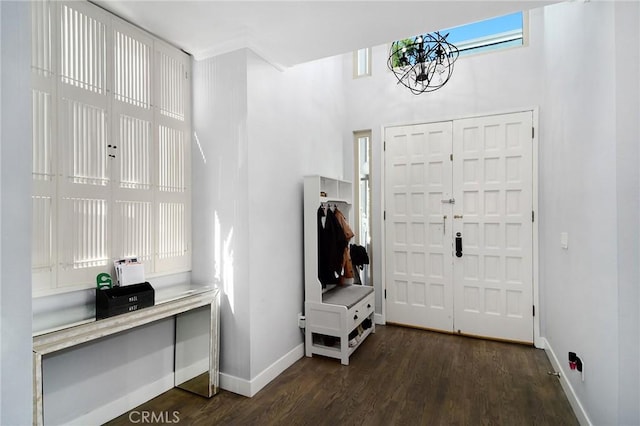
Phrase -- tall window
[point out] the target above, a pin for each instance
(111, 152)
(362, 186)
(362, 62)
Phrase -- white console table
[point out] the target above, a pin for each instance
(169, 303)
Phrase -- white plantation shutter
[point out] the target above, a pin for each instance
(42, 242)
(44, 166)
(174, 160)
(84, 193)
(111, 147)
(134, 189)
(83, 135)
(171, 160)
(42, 24)
(132, 66)
(83, 46)
(172, 68)
(133, 236)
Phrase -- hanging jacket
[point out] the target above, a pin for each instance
(347, 267)
(331, 245)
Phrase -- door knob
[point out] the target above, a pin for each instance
(458, 244)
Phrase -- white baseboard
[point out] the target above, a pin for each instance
(578, 409)
(235, 384)
(125, 403)
(379, 319)
(251, 387)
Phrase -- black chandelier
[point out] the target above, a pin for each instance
(424, 63)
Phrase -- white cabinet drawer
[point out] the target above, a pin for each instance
(360, 311)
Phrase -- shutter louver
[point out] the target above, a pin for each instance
(42, 227)
(172, 230)
(171, 160)
(87, 241)
(134, 153)
(133, 220)
(83, 58)
(131, 71)
(172, 96)
(85, 131)
(41, 133)
(41, 38)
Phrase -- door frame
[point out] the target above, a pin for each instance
(538, 341)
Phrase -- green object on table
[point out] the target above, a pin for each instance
(103, 281)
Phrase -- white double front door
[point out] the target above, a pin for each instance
(459, 213)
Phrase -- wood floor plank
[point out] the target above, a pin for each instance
(399, 376)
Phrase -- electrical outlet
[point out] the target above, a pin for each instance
(575, 363)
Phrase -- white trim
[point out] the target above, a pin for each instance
(538, 341)
(275, 369)
(249, 388)
(458, 117)
(578, 409)
(357, 135)
(235, 384)
(481, 42)
(125, 403)
(383, 235)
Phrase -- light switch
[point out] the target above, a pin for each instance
(564, 240)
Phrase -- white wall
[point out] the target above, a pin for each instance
(295, 119)
(628, 203)
(220, 218)
(15, 225)
(260, 131)
(584, 286)
(581, 70)
(578, 196)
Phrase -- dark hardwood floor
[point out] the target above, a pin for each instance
(398, 376)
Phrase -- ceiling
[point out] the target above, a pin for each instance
(287, 33)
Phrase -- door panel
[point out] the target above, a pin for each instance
(492, 181)
(418, 249)
(488, 290)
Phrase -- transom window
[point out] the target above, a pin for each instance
(491, 34)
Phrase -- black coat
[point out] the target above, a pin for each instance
(331, 245)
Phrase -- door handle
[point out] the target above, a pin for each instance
(449, 201)
(458, 244)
